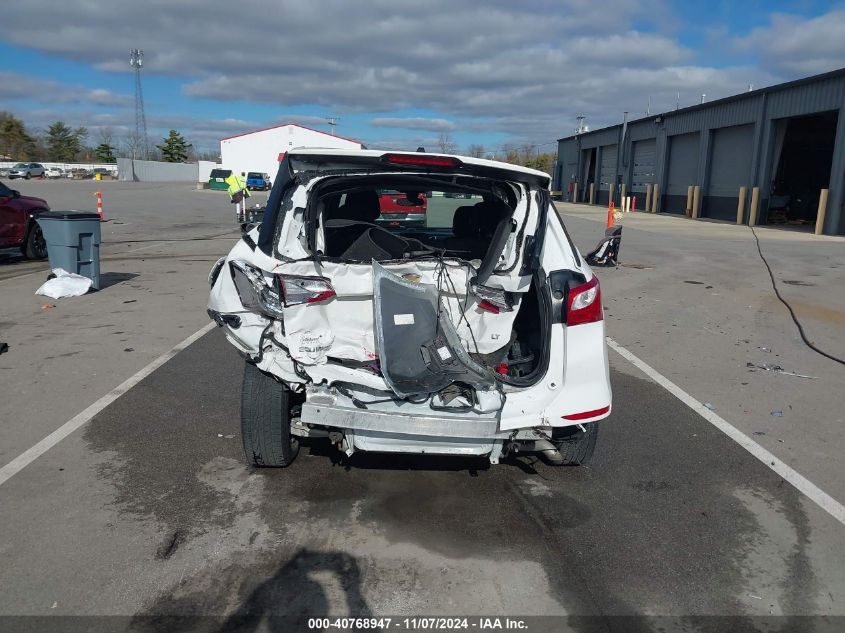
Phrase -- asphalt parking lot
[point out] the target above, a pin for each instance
(146, 513)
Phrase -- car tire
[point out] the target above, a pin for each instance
(575, 446)
(28, 176)
(34, 246)
(265, 420)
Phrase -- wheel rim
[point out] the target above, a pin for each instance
(39, 242)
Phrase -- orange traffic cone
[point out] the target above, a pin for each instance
(610, 211)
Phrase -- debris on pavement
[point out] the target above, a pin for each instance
(777, 413)
(710, 406)
(64, 284)
(48, 306)
(779, 369)
(4, 347)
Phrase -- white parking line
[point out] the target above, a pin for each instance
(30, 455)
(804, 485)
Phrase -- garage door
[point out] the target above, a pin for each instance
(642, 171)
(607, 173)
(608, 167)
(683, 171)
(730, 168)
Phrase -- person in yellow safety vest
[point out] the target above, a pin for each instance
(238, 193)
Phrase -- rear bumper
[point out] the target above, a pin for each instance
(354, 419)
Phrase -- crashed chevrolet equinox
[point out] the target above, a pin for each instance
(478, 331)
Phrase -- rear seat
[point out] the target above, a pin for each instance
(359, 206)
(473, 228)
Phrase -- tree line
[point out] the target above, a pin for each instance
(525, 155)
(62, 144)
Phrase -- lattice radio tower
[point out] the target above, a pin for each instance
(136, 60)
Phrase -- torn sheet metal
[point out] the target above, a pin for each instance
(349, 315)
(419, 349)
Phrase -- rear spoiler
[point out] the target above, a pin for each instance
(415, 162)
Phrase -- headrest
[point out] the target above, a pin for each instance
(362, 206)
(492, 210)
(463, 222)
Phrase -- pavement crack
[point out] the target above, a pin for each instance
(171, 544)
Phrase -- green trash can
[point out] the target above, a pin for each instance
(73, 242)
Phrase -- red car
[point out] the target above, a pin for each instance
(18, 227)
(402, 208)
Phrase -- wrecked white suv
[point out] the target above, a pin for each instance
(476, 332)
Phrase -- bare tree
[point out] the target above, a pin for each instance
(511, 153)
(133, 145)
(476, 151)
(526, 152)
(446, 143)
(105, 136)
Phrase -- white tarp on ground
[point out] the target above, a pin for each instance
(64, 284)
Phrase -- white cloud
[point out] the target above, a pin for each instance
(415, 123)
(15, 86)
(794, 46)
(523, 69)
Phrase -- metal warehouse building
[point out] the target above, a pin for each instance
(785, 145)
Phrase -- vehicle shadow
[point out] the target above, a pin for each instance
(13, 256)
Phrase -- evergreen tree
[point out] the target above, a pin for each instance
(15, 142)
(174, 148)
(104, 153)
(63, 144)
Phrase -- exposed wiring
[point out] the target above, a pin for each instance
(463, 308)
(804, 338)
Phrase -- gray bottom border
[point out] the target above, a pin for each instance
(271, 623)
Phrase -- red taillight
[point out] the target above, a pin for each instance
(297, 290)
(421, 160)
(502, 369)
(488, 306)
(586, 415)
(584, 303)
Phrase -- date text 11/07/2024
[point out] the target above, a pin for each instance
(417, 624)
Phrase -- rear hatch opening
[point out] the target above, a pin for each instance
(444, 309)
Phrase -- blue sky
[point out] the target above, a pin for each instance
(400, 74)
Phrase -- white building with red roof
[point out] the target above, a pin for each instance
(261, 150)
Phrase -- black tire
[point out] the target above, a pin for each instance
(575, 446)
(34, 246)
(265, 420)
(28, 176)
